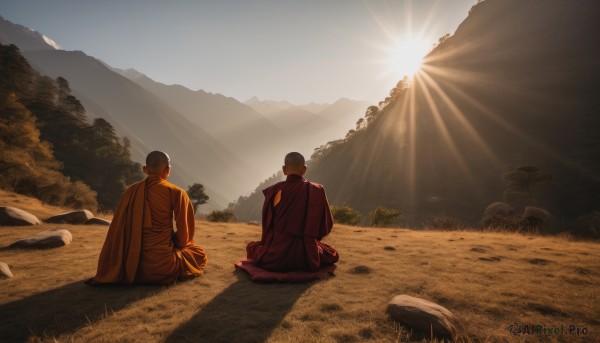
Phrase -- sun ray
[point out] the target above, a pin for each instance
(441, 124)
(461, 117)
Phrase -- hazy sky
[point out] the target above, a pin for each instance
(300, 51)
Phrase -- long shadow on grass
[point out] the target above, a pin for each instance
(243, 312)
(65, 309)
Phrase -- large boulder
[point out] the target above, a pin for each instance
(97, 221)
(44, 240)
(5, 272)
(74, 217)
(12, 216)
(422, 315)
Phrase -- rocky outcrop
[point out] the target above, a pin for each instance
(45, 240)
(74, 217)
(12, 216)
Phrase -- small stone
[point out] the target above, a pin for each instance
(5, 272)
(97, 221)
(361, 270)
(12, 216)
(422, 315)
(388, 247)
(74, 217)
(254, 222)
(45, 240)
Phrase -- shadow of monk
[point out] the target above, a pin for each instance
(244, 312)
(66, 309)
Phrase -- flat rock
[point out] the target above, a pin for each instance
(254, 222)
(44, 240)
(5, 272)
(74, 217)
(12, 216)
(97, 221)
(422, 315)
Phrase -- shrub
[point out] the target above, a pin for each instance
(345, 215)
(533, 218)
(225, 216)
(499, 215)
(445, 222)
(382, 216)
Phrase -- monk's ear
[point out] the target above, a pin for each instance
(145, 170)
(303, 170)
(283, 168)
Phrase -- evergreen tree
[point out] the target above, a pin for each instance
(27, 165)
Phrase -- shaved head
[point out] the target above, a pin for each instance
(157, 160)
(294, 160)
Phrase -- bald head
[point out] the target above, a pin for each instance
(294, 163)
(156, 162)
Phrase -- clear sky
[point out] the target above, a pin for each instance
(300, 51)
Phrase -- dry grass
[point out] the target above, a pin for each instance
(488, 280)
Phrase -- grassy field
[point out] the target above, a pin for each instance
(488, 280)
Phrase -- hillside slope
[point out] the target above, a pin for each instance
(508, 277)
(148, 122)
(514, 85)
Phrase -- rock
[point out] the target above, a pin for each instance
(5, 272)
(75, 217)
(97, 221)
(422, 315)
(12, 216)
(44, 240)
(254, 222)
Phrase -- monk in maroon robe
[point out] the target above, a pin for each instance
(295, 217)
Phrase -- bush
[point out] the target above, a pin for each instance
(345, 215)
(224, 216)
(533, 218)
(383, 217)
(445, 222)
(499, 215)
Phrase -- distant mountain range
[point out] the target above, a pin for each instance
(213, 139)
(515, 85)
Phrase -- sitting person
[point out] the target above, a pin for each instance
(295, 217)
(141, 245)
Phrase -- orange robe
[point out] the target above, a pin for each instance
(141, 245)
(296, 216)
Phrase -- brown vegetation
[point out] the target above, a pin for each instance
(488, 280)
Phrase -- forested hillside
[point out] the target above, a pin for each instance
(49, 149)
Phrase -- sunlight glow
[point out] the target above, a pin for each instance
(407, 56)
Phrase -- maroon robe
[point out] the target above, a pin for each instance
(295, 217)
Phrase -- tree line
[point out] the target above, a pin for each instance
(49, 149)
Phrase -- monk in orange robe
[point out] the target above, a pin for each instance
(141, 245)
(295, 217)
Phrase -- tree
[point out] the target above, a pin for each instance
(27, 164)
(522, 181)
(382, 216)
(345, 215)
(224, 216)
(197, 195)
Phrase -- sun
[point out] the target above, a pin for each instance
(406, 56)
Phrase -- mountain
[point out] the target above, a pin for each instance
(24, 37)
(260, 132)
(234, 125)
(267, 106)
(150, 124)
(514, 86)
(310, 125)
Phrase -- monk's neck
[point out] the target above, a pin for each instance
(294, 177)
(156, 177)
